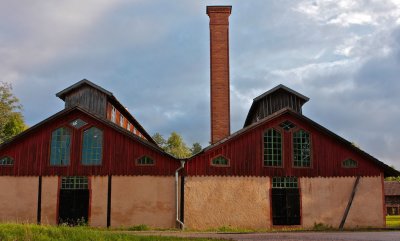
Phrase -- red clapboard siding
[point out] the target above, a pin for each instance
(245, 152)
(31, 152)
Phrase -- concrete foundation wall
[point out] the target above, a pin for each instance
(98, 209)
(212, 202)
(49, 200)
(324, 200)
(145, 200)
(18, 199)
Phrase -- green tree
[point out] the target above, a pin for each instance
(11, 118)
(393, 178)
(176, 146)
(196, 148)
(159, 139)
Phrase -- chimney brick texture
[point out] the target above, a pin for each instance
(219, 65)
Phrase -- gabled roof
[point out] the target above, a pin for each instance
(388, 171)
(281, 87)
(79, 84)
(392, 188)
(112, 99)
(96, 117)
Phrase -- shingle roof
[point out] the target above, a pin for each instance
(392, 188)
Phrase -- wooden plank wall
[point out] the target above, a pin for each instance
(88, 98)
(31, 153)
(245, 153)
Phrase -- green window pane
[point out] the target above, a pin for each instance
(60, 147)
(92, 146)
(284, 182)
(220, 161)
(145, 161)
(287, 125)
(6, 161)
(301, 149)
(74, 183)
(349, 163)
(272, 148)
(78, 123)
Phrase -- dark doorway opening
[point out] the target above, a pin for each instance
(285, 201)
(74, 201)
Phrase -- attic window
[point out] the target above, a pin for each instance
(113, 114)
(349, 163)
(145, 161)
(121, 121)
(6, 161)
(287, 125)
(78, 123)
(220, 161)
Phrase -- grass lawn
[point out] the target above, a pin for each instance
(25, 232)
(393, 221)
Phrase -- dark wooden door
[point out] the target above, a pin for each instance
(285, 206)
(74, 206)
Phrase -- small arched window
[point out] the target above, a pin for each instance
(6, 161)
(220, 161)
(301, 149)
(145, 161)
(92, 147)
(349, 163)
(60, 147)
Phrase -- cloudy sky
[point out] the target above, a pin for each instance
(154, 57)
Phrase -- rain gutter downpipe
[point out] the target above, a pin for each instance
(177, 194)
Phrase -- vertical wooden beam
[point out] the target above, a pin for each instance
(39, 202)
(346, 212)
(109, 201)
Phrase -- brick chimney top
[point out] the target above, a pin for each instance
(219, 9)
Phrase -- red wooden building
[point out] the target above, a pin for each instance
(93, 160)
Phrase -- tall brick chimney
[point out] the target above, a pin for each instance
(219, 65)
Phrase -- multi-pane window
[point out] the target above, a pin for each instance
(6, 161)
(121, 120)
(272, 148)
(220, 161)
(349, 163)
(78, 123)
(60, 147)
(113, 114)
(284, 182)
(134, 130)
(145, 161)
(92, 146)
(74, 183)
(301, 149)
(129, 126)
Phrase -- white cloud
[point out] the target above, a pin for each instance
(347, 19)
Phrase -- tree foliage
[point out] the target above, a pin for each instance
(176, 146)
(11, 119)
(196, 148)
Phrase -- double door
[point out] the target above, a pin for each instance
(285, 206)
